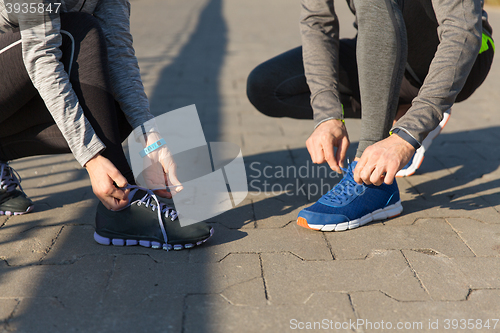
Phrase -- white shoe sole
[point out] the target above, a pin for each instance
(379, 214)
(418, 158)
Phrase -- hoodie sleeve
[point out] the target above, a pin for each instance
(319, 27)
(41, 39)
(459, 32)
(128, 90)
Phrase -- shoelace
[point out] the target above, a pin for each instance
(9, 178)
(345, 189)
(148, 200)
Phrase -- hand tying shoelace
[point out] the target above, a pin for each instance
(343, 191)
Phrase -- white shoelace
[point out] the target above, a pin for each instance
(160, 207)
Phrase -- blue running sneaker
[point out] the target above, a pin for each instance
(417, 158)
(350, 205)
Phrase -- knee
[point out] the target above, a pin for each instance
(259, 92)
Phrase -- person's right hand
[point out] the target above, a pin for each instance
(332, 133)
(102, 175)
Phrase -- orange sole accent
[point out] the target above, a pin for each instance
(303, 223)
(390, 217)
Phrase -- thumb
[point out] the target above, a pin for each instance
(172, 178)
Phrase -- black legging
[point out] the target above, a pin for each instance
(26, 126)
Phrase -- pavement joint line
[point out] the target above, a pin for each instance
(329, 245)
(228, 300)
(266, 293)
(352, 306)
(415, 274)
(11, 315)
(283, 226)
(253, 214)
(184, 311)
(460, 236)
(419, 194)
(5, 221)
(108, 282)
(47, 250)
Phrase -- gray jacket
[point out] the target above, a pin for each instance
(41, 38)
(459, 29)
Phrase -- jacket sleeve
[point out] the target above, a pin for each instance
(41, 39)
(128, 90)
(319, 29)
(459, 32)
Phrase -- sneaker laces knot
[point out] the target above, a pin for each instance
(151, 200)
(342, 192)
(9, 178)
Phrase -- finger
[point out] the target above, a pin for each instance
(119, 194)
(163, 194)
(330, 157)
(312, 151)
(118, 178)
(390, 174)
(357, 170)
(377, 176)
(172, 180)
(366, 174)
(120, 204)
(342, 151)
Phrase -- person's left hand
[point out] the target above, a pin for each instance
(381, 161)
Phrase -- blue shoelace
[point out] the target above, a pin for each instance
(342, 192)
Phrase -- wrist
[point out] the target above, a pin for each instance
(92, 161)
(405, 136)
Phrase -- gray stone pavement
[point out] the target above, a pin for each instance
(438, 261)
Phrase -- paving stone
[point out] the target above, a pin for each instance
(442, 278)
(292, 238)
(156, 314)
(212, 313)
(430, 316)
(419, 208)
(241, 217)
(75, 242)
(139, 275)
(481, 273)
(483, 239)
(85, 279)
(277, 212)
(78, 213)
(7, 306)
(28, 247)
(433, 234)
(290, 280)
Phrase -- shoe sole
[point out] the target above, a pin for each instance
(9, 213)
(419, 154)
(145, 243)
(380, 214)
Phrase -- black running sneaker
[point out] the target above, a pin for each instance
(147, 222)
(12, 200)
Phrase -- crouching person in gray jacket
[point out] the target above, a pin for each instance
(410, 61)
(70, 83)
